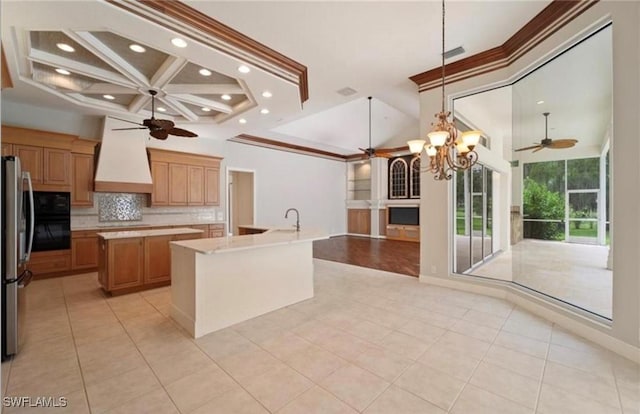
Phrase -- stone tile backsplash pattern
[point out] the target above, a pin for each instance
(120, 207)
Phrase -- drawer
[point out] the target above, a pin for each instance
(81, 234)
(50, 262)
(218, 226)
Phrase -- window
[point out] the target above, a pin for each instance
(415, 177)
(398, 178)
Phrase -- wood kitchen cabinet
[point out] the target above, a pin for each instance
(46, 155)
(7, 149)
(196, 192)
(57, 167)
(216, 230)
(178, 190)
(121, 263)
(182, 179)
(212, 186)
(82, 171)
(359, 221)
(31, 160)
(84, 250)
(160, 179)
(157, 259)
(50, 263)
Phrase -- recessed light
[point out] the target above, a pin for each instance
(109, 97)
(244, 69)
(540, 102)
(226, 97)
(161, 109)
(206, 109)
(205, 72)
(177, 42)
(242, 121)
(63, 71)
(264, 111)
(137, 48)
(266, 94)
(65, 47)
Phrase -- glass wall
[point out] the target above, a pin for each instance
(474, 217)
(553, 125)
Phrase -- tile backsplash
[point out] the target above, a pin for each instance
(120, 206)
(107, 212)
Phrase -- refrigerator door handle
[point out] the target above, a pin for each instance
(26, 175)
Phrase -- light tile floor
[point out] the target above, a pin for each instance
(369, 341)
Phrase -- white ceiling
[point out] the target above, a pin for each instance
(372, 47)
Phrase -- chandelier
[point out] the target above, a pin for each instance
(447, 151)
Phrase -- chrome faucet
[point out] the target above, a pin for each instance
(297, 217)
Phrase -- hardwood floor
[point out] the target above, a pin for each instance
(389, 255)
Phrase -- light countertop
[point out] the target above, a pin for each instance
(147, 233)
(134, 224)
(275, 236)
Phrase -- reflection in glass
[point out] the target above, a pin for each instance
(557, 211)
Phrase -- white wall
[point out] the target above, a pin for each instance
(436, 253)
(315, 186)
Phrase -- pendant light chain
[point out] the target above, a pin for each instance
(443, 56)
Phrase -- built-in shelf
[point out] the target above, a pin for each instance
(359, 181)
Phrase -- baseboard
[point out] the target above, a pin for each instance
(183, 320)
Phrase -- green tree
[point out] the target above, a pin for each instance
(541, 203)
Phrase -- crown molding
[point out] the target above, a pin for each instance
(198, 26)
(552, 18)
(5, 76)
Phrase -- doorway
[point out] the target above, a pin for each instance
(241, 199)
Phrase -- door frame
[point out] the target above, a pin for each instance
(227, 187)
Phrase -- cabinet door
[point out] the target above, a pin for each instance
(84, 253)
(196, 185)
(157, 259)
(212, 186)
(359, 221)
(82, 175)
(178, 181)
(160, 178)
(57, 167)
(125, 261)
(31, 160)
(7, 149)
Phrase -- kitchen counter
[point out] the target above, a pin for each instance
(274, 236)
(239, 277)
(112, 226)
(147, 233)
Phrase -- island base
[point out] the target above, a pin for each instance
(213, 291)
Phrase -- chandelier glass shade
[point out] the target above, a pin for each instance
(447, 150)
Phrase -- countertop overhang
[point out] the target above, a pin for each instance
(272, 237)
(147, 233)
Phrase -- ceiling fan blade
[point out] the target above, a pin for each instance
(563, 143)
(125, 120)
(159, 134)
(181, 132)
(536, 150)
(127, 129)
(158, 123)
(528, 148)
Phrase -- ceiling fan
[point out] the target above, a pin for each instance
(372, 152)
(548, 142)
(158, 128)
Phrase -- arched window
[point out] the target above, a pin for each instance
(414, 172)
(398, 178)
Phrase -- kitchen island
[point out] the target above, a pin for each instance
(134, 260)
(220, 282)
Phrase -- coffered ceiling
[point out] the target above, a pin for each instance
(371, 47)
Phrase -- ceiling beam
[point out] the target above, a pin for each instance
(202, 102)
(202, 89)
(5, 76)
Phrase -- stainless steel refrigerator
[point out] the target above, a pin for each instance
(17, 240)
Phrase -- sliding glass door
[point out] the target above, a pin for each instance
(473, 217)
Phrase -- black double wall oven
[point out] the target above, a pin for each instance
(52, 211)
